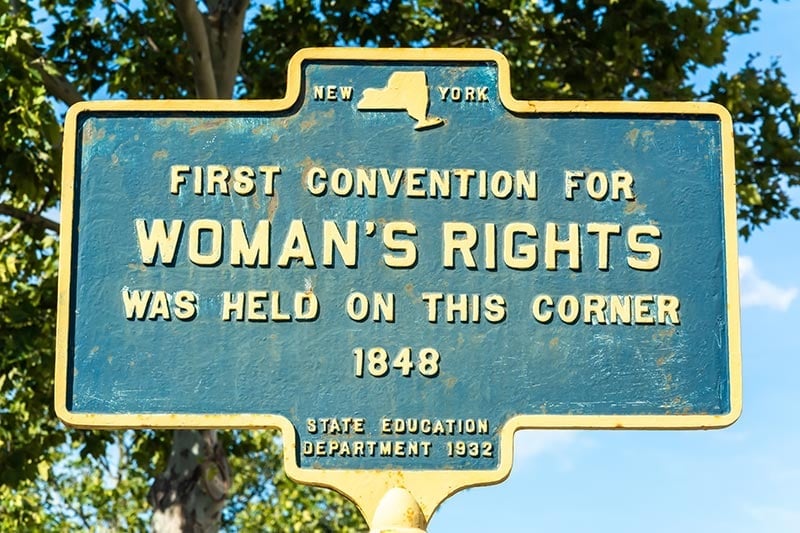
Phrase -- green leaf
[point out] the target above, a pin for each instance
(44, 470)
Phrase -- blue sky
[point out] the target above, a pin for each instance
(745, 478)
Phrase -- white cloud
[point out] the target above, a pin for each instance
(531, 444)
(758, 292)
(774, 518)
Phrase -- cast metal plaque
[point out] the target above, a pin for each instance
(398, 265)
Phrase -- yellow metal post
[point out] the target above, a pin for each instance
(398, 512)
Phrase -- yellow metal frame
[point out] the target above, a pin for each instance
(428, 487)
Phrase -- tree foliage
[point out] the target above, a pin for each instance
(57, 52)
(29, 185)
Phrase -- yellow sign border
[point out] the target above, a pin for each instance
(428, 487)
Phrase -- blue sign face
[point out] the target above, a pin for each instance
(398, 264)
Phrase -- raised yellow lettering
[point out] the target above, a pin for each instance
(461, 237)
(553, 246)
(651, 250)
(296, 246)
(158, 239)
(408, 256)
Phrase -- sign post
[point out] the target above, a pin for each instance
(398, 265)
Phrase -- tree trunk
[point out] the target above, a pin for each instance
(190, 495)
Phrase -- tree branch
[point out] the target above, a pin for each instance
(226, 25)
(56, 83)
(195, 29)
(10, 233)
(29, 218)
(211, 5)
(131, 17)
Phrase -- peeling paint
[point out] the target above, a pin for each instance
(664, 334)
(642, 138)
(272, 206)
(92, 134)
(308, 124)
(305, 165)
(207, 125)
(632, 136)
(635, 207)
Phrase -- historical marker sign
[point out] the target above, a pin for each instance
(398, 265)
